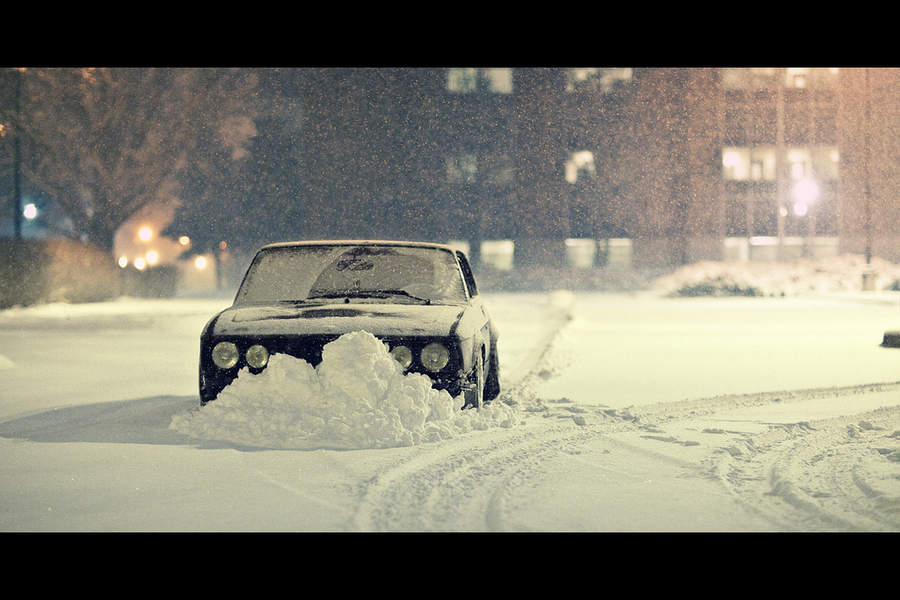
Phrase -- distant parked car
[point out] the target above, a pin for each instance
(419, 298)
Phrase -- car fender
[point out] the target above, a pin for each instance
(473, 330)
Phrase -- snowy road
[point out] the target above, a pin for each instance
(634, 413)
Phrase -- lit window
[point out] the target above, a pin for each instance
(749, 164)
(800, 162)
(468, 80)
(498, 254)
(580, 165)
(749, 79)
(596, 79)
(758, 163)
(796, 77)
(801, 77)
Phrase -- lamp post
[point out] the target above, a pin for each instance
(17, 160)
(868, 224)
(805, 193)
(868, 277)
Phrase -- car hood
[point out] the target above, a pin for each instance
(377, 319)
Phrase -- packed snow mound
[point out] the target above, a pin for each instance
(802, 277)
(358, 397)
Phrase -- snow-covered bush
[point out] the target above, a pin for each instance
(33, 271)
(802, 277)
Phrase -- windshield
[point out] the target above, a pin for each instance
(384, 272)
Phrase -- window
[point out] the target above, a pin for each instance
(749, 164)
(320, 271)
(769, 78)
(749, 79)
(758, 163)
(461, 168)
(467, 274)
(469, 80)
(498, 170)
(580, 166)
(596, 79)
(801, 77)
(800, 163)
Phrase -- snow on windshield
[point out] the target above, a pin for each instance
(304, 272)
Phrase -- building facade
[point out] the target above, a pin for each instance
(686, 163)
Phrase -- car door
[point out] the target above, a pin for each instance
(485, 330)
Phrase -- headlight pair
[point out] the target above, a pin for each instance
(225, 355)
(434, 356)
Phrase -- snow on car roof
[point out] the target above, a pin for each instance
(360, 243)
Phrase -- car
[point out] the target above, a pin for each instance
(419, 298)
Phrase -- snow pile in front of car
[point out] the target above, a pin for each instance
(358, 397)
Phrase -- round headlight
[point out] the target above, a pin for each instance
(435, 356)
(403, 356)
(225, 355)
(257, 356)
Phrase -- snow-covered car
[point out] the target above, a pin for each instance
(419, 298)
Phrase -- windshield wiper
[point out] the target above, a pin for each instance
(396, 293)
(366, 294)
(297, 301)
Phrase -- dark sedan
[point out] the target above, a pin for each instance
(418, 298)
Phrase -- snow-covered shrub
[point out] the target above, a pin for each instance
(33, 271)
(801, 277)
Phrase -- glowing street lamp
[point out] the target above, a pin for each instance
(805, 193)
(123, 261)
(140, 264)
(152, 257)
(30, 211)
(145, 233)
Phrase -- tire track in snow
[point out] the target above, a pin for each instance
(808, 475)
(459, 485)
(464, 484)
(812, 476)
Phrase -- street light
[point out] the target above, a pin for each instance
(145, 233)
(805, 193)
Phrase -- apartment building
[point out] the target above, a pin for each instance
(687, 164)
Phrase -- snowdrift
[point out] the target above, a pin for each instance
(358, 397)
(803, 277)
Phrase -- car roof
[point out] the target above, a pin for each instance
(360, 243)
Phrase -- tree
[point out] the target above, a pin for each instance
(250, 197)
(103, 143)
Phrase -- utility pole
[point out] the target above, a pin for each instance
(868, 206)
(780, 159)
(17, 160)
(868, 283)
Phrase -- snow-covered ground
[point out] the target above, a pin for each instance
(620, 412)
